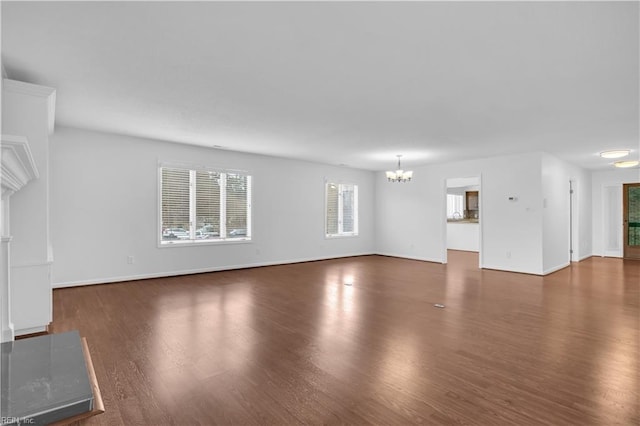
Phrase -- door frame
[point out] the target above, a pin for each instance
(574, 219)
(480, 222)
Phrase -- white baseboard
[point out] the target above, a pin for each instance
(8, 334)
(517, 271)
(556, 268)
(107, 280)
(404, 256)
(586, 256)
(31, 330)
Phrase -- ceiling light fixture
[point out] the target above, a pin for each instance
(399, 175)
(619, 153)
(625, 164)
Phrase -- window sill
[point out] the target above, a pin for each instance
(332, 237)
(189, 243)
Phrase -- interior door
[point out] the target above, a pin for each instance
(631, 217)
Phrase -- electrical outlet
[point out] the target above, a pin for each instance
(131, 260)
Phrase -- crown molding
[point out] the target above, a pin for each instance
(18, 166)
(49, 93)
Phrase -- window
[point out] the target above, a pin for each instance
(455, 206)
(204, 206)
(342, 209)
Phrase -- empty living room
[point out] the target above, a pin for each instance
(320, 212)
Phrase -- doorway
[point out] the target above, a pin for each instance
(631, 220)
(462, 227)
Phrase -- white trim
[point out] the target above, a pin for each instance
(39, 91)
(340, 214)
(480, 223)
(192, 207)
(31, 330)
(200, 270)
(211, 242)
(8, 334)
(556, 268)
(249, 207)
(404, 256)
(222, 201)
(443, 226)
(200, 167)
(338, 236)
(32, 264)
(159, 208)
(516, 271)
(586, 256)
(18, 165)
(574, 224)
(28, 88)
(123, 278)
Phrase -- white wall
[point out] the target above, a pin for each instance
(519, 236)
(555, 216)
(93, 235)
(104, 208)
(410, 219)
(460, 190)
(601, 180)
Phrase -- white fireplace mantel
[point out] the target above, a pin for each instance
(18, 168)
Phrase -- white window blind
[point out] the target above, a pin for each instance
(207, 204)
(175, 203)
(341, 209)
(237, 220)
(200, 205)
(455, 206)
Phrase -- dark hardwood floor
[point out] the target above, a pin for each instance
(293, 344)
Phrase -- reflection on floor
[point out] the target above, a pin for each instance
(359, 341)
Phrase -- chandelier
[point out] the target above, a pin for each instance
(399, 175)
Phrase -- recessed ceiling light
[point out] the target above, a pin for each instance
(615, 154)
(625, 164)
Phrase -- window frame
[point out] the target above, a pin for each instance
(341, 234)
(193, 168)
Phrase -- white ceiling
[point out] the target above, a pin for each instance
(342, 83)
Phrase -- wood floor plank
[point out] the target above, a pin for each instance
(292, 344)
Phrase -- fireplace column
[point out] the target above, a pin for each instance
(18, 168)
